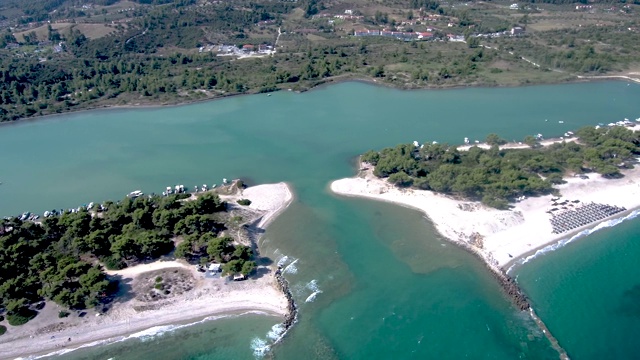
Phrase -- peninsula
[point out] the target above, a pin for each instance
(500, 236)
(155, 294)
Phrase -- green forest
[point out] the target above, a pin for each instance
(61, 258)
(150, 55)
(497, 177)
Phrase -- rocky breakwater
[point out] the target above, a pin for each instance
(474, 245)
(511, 288)
(292, 309)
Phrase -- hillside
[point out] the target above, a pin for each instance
(60, 55)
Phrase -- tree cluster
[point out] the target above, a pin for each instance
(207, 248)
(499, 176)
(58, 258)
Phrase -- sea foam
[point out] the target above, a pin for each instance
(276, 332)
(283, 260)
(583, 233)
(291, 268)
(143, 335)
(260, 347)
(313, 295)
(313, 285)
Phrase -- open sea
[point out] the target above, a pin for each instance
(373, 280)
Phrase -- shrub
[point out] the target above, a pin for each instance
(237, 219)
(494, 139)
(1, 317)
(159, 279)
(555, 178)
(63, 314)
(401, 179)
(495, 202)
(158, 286)
(3, 329)
(244, 202)
(113, 263)
(21, 317)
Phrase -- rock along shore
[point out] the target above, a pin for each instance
(292, 310)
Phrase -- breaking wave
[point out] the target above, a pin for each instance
(291, 268)
(260, 347)
(283, 260)
(313, 295)
(312, 285)
(144, 335)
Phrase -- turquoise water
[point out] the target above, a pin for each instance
(386, 286)
(224, 338)
(589, 293)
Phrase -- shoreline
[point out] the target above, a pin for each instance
(131, 313)
(445, 213)
(570, 237)
(500, 237)
(317, 86)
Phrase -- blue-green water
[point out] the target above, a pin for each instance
(386, 285)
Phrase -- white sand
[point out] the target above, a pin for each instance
(271, 199)
(520, 145)
(513, 232)
(267, 200)
(517, 145)
(209, 298)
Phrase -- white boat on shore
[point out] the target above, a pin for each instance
(135, 194)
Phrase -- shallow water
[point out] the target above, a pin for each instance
(379, 282)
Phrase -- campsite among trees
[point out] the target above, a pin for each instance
(497, 176)
(62, 257)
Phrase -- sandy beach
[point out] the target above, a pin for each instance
(517, 145)
(499, 236)
(269, 200)
(194, 297)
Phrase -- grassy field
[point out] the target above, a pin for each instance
(92, 31)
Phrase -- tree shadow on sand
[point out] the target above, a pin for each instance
(123, 294)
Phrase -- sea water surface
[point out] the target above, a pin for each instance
(373, 280)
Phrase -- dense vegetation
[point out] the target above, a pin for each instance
(497, 176)
(59, 259)
(113, 54)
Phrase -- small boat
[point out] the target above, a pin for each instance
(560, 122)
(135, 194)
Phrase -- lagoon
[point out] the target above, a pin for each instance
(387, 286)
